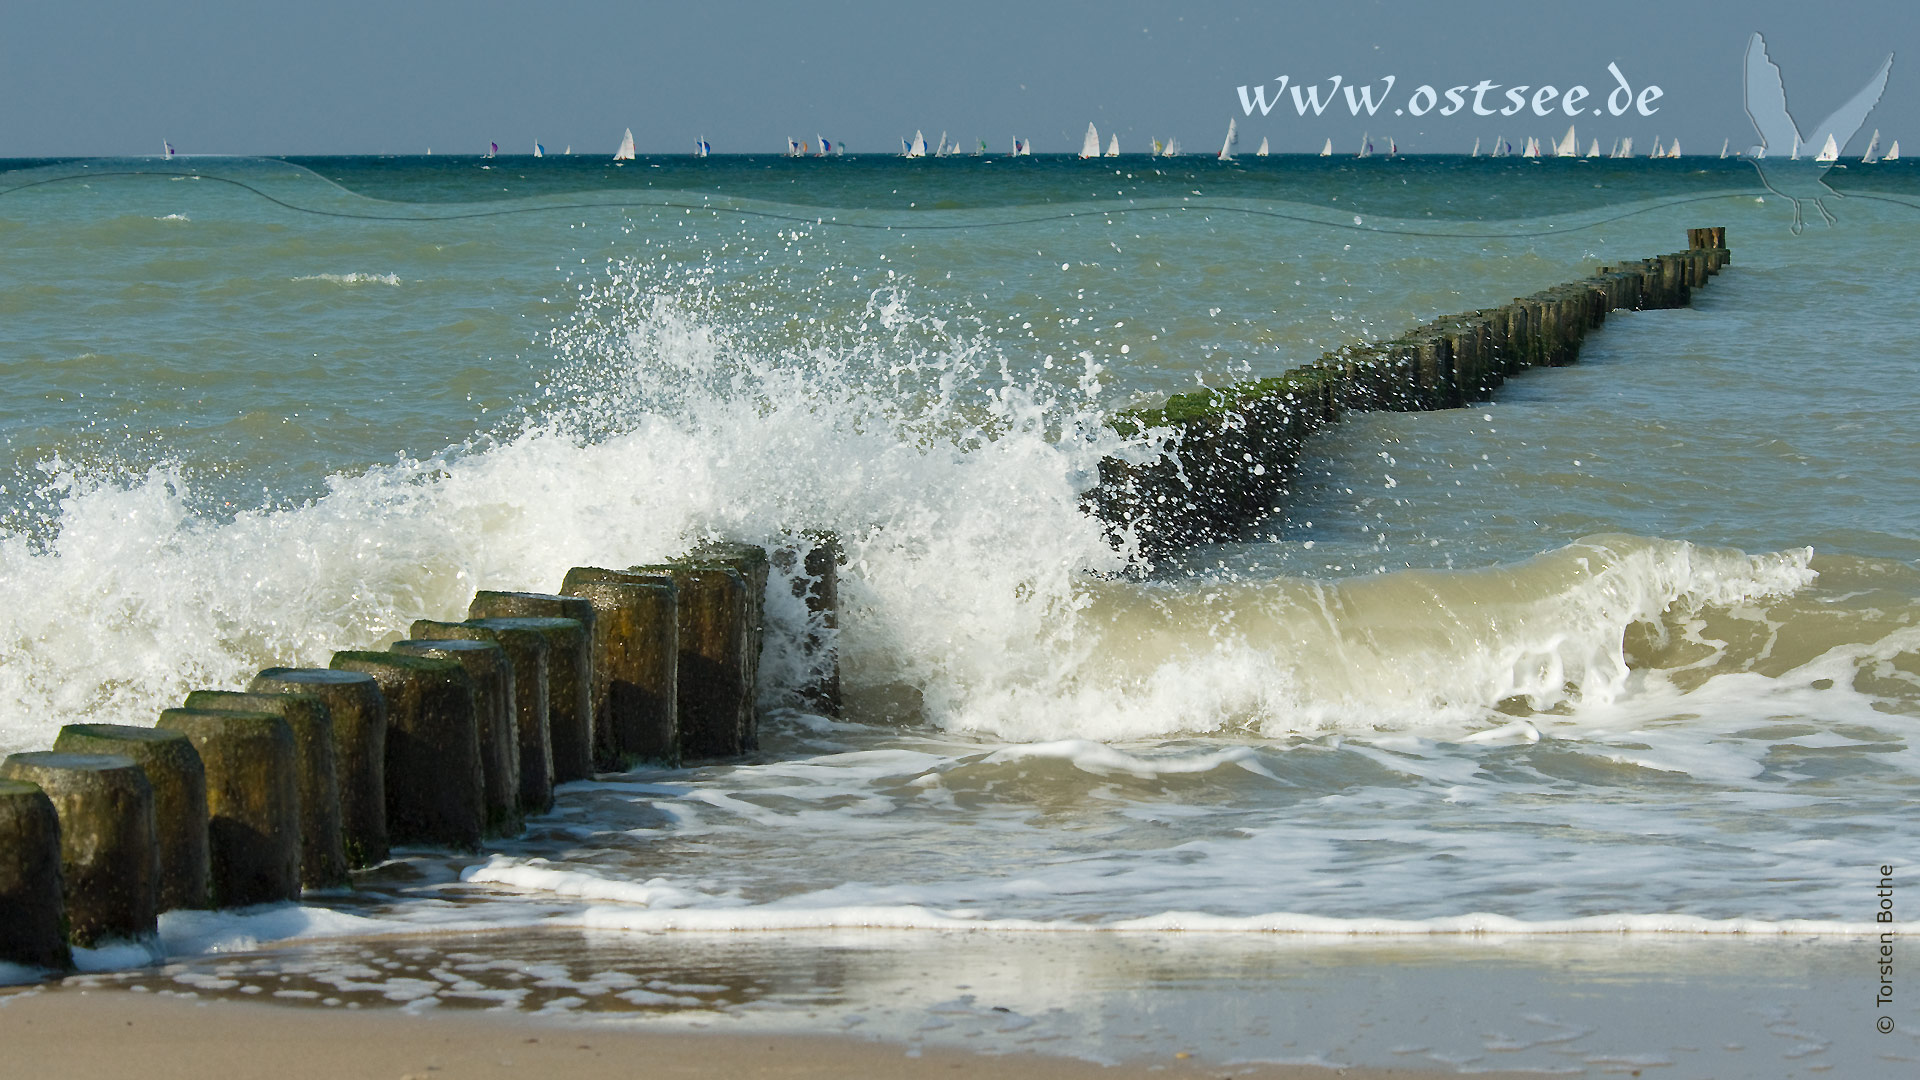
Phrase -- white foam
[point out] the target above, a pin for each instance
(355, 278)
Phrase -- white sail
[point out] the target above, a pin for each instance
(539, 151)
(1173, 148)
(1393, 148)
(1724, 143)
(625, 153)
(1593, 148)
(1568, 145)
(945, 150)
(1158, 149)
(1476, 147)
(1233, 136)
(1113, 145)
(1533, 148)
(918, 147)
(1829, 152)
(1366, 146)
(1327, 150)
(1873, 149)
(1090, 146)
(1262, 152)
(1893, 151)
(1656, 151)
(1673, 148)
(1499, 146)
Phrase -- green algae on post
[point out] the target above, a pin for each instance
(635, 662)
(359, 716)
(436, 790)
(528, 652)
(493, 693)
(323, 856)
(569, 671)
(253, 802)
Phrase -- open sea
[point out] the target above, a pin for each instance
(1600, 699)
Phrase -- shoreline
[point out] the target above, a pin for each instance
(97, 1032)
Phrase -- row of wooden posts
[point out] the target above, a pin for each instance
(1236, 446)
(448, 737)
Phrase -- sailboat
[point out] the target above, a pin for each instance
(1500, 147)
(1327, 150)
(1724, 143)
(1262, 152)
(1593, 149)
(980, 149)
(945, 150)
(1568, 146)
(166, 149)
(1090, 146)
(1829, 152)
(700, 147)
(1893, 151)
(1393, 148)
(1366, 146)
(493, 150)
(1233, 136)
(1873, 149)
(1173, 148)
(538, 150)
(821, 145)
(1156, 148)
(568, 152)
(1476, 147)
(918, 147)
(1673, 148)
(1533, 148)
(625, 153)
(1113, 145)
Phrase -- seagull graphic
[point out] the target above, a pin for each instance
(1776, 158)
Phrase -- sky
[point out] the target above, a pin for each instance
(115, 77)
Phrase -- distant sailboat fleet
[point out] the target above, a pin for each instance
(1567, 146)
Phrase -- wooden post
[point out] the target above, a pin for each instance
(712, 691)
(436, 793)
(323, 856)
(493, 699)
(109, 855)
(33, 909)
(529, 654)
(359, 715)
(570, 704)
(635, 661)
(253, 802)
(179, 784)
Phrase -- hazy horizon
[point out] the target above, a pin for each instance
(112, 78)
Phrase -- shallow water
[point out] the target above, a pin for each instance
(1634, 643)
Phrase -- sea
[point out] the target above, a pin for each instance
(1574, 731)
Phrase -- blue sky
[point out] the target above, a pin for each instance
(219, 76)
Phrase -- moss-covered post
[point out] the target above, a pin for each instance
(569, 671)
(635, 662)
(359, 716)
(436, 791)
(525, 643)
(253, 802)
(109, 855)
(752, 563)
(493, 693)
(179, 784)
(713, 695)
(323, 855)
(33, 911)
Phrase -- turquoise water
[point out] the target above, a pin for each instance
(1635, 642)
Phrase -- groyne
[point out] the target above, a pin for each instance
(446, 738)
(1231, 452)
(458, 730)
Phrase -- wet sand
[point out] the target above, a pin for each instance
(111, 1033)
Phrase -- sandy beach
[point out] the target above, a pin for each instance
(82, 1034)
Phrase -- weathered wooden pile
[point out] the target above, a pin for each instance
(1235, 447)
(444, 739)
